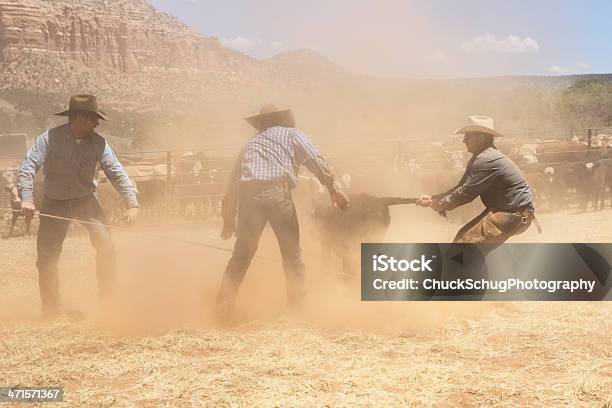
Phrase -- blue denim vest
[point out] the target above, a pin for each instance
(70, 167)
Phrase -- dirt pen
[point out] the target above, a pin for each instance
(157, 344)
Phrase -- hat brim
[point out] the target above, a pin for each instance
(263, 121)
(69, 112)
(477, 128)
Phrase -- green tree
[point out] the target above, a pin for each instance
(585, 103)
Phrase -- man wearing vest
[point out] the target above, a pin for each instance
(70, 154)
(499, 183)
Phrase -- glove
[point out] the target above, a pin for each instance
(340, 199)
(229, 230)
(27, 208)
(435, 205)
(424, 201)
(131, 215)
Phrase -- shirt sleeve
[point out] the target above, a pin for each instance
(447, 192)
(229, 204)
(118, 177)
(461, 181)
(35, 158)
(306, 153)
(477, 181)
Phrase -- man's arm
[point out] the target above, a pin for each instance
(230, 200)
(307, 154)
(229, 204)
(462, 180)
(444, 194)
(118, 177)
(480, 178)
(35, 158)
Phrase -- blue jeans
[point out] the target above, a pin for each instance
(257, 205)
(51, 235)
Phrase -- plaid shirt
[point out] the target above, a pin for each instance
(276, 154)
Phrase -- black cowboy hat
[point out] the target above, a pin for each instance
(83, 103)
(269, 116)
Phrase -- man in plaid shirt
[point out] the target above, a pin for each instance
(260, 192)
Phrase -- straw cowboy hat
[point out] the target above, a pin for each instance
(270, 116)
(83, 103)
(482, 124)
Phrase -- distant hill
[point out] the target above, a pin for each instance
(159, 77)
(304, 60)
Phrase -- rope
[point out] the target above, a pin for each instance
(116, 228)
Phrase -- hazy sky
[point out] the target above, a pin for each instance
(420, 38)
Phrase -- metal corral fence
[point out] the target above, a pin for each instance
(190, 183)
(185, 184)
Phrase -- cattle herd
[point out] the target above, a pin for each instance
(176, 186)
(183, 186)
(566, 174)
(571, 175)
(562, 174)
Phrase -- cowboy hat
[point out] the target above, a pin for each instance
(83, 103)
(269, 116)
(482, 124)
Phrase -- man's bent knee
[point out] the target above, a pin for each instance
(244, 251)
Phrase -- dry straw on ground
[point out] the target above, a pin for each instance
(157, 346)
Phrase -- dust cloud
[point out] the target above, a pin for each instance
(351, 117)
(166, 285)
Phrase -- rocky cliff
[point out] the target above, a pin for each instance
(124, 50)
(119, 34)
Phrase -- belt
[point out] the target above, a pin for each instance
(254, 186)
(258, 183)
(528, 211)
(525, 210)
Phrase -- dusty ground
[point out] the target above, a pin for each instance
(158, 345)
